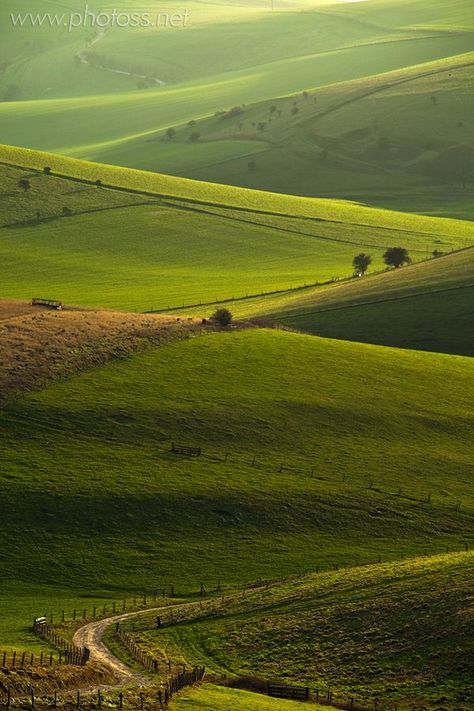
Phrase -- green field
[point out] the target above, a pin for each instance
(324, 532)
(346, 140)
(218, 698)
(367, 130)
(87, 474)
(427, 306)
(399, 633)
(146, 241)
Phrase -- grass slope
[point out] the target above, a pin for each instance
(218, 698)
(400, 633)
(427, 306)
(377, 139)
(229, 59)
(38, 345)
(194, 241)
(87, 474)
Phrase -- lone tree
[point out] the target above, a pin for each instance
(194, 137)
(396, 256)
(223, 317)
(170, 133)
(361, 263)
(24, 183)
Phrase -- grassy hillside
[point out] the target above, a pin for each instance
(38, 345)
(218, 698)
(374, 460)
(382, 139)
(162, 241)
(428, 306)
(227, 57)
(400, 633)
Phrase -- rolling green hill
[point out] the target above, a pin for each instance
(218, 698)
(192, 242)
(374, 459)
(400, 633)
(428, 306)
(384, 140)
(364, 101)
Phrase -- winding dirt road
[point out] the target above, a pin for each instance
(90, 635)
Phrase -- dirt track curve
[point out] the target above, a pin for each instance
(90, 635)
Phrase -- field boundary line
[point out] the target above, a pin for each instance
(230, 206)
(378, 301)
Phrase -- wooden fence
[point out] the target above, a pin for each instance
(179, 681)
(21, 660)
(152, 698)
(305, 465)
(280, 691)
(68, 652)
(50, 303)
(145, 659)
(184, 449)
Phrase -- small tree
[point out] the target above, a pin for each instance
(396, 256)
(47, 170)
(361, 263)
(24, 183)
(194, 137)
(223, 317)
(170, 133)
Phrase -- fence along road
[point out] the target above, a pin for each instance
(90, 636)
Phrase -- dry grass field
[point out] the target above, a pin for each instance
(38, 345)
